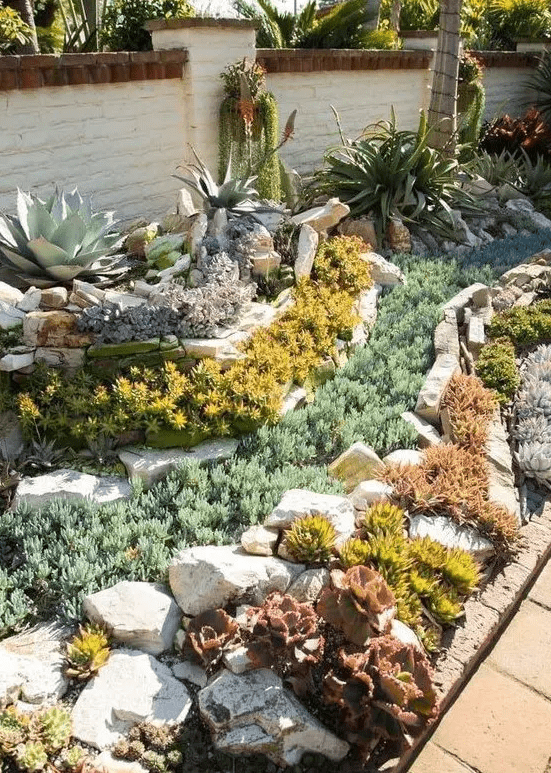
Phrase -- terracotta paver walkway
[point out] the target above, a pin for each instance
(501, 722)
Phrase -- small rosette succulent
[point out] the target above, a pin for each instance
(54, 241)
(87, 652)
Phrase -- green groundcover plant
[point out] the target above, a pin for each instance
(50, 558)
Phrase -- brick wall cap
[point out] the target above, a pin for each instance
(198, 21)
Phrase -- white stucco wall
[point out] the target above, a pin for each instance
(120, 142)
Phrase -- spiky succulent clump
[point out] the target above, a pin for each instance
(59, 239)
(230, 195)
(87, 652)
(156, 747)
(55, 728)
(311, 539)
(384, 517)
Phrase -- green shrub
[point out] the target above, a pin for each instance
(523, 325)
(122, 28)
(514, 19)
(419, 15)
(497, 368)
(389, 172)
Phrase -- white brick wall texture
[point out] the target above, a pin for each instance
(120, 142)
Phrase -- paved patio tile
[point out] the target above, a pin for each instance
(541, 592)
(435, 760)
(524, 649)
(498, 725)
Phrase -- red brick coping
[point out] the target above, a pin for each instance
(323, 60)
(506, 58)
(31, 72)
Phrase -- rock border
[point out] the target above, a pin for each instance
(489, 613)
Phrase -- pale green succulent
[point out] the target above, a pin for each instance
(232, 193)
(31, 756)
(55, 728)
(54, 241)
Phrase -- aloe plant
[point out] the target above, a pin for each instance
(230, 194)
(59, 239)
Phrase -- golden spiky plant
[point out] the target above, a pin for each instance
(311, 539)
(87, 652)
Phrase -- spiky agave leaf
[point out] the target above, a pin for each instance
(56, 240)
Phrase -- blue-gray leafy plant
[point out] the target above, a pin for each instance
(54, 241)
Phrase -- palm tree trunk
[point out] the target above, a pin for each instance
(25, 10)
(442, 117)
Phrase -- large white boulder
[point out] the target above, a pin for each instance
(298, 503)
(324, 217)
(32, 665)
(150, 465)
(130, 688)
(70, 484)
(211, 576)
(140, 614)
(252, 713)
(357, 463)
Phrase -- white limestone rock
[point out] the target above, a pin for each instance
(68, 359)
(298, 503)
(403, 633)
(30, 300)
(13, 361)
(211, 576)
(501, 480)
(476, 337)
(259, 541)
(446, 335)
(149, 465)
(219, 349)
(355, 464)
(237, 660)
(295, 399)
(257, 315)
(190, 672)
(447, 532)
(404, 456)
(32, 665)
(10, 316)
(308, 240)
(142, 615)
(324, 217)
(264, 263)
(69, 484)
(368, 493)
(432, 392)
(184, 203)
(428, 435)
(462, 299)
(54, 297)
(197, 233)
(132, 687)
(367, 306)
(10, 295)
(253, 713)
(308, 586)
(383, 272)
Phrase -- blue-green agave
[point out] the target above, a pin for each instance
(59, 239)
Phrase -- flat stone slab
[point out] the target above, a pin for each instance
(432, 392)
(211, 576)
(541, 592)
(525, 643)
(69, 484)
(150, 465)
(497, 725)
(140, 614)
(33, 663)
(452, 535)
(253, 713)
(428, 435)
(130, 688)
(298, 503)
(501, 480)
(435, 760)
